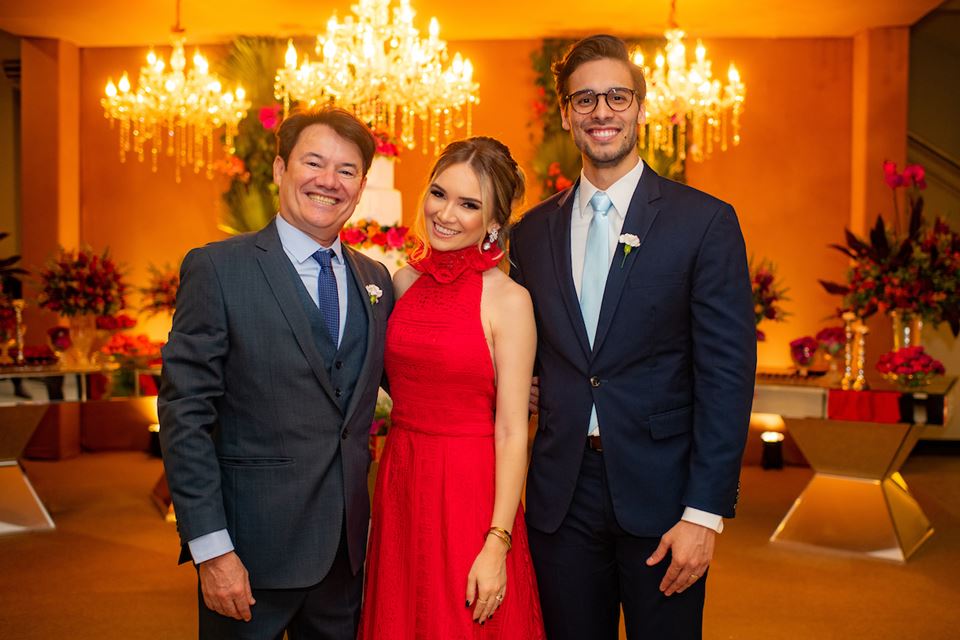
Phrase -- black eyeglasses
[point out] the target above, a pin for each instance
(586, 101)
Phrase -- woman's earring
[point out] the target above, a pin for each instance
(491, 238)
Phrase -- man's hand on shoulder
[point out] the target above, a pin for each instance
(225, 585)
(691, 550)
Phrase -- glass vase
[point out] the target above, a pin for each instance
(907, 329)
(83, 338)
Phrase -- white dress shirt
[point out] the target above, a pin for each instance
(620, 194)
(299, 248)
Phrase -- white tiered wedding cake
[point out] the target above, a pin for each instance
(375, 229)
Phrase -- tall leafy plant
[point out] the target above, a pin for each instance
(251, 199)
(556, 161)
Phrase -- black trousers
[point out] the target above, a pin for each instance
(329, 610)
(590, 566)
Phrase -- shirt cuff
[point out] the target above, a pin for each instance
(703, 518)
(210, 546)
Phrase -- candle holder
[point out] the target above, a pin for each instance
(18, 306)
(860, 381)
(847, 380)
(772, 455)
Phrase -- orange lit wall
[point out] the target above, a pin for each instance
(790, 179)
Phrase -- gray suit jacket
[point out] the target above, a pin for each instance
(254, 436)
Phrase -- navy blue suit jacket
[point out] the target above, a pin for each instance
(672, 367)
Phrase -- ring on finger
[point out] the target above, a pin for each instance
(693, 576)
(499, 597)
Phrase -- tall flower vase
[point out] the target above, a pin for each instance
(83, 337)
(907, 329)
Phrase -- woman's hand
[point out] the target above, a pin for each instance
(487, 580)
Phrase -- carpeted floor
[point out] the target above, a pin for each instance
(109, 570)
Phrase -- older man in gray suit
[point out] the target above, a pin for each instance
(270, 381)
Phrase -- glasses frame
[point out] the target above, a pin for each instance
(597, 94)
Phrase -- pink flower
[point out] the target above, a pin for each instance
(914, 174)
(353, 236)
(396, 237)
(563, 183)
(269, 116)
(890, 175)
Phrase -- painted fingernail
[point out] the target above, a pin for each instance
(468, 604)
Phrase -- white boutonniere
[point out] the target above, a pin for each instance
(374, 292)
(629, 242)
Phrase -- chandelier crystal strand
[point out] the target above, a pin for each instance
(685, 103)
(174, 111)
(375, 64)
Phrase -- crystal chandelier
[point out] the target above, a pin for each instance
(376, 65)
(687, 104)
(173, 111)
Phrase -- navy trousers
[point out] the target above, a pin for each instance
(590, 566)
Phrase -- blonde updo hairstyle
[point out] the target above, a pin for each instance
(502, 184)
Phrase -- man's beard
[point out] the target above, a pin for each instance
(609, 158)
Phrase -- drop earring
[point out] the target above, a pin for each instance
(491, 238)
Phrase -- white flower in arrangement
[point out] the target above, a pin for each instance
(629, 242)
(374, 292)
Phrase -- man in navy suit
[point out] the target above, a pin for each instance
(646, 362)
(270, 381)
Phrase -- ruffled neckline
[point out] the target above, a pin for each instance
(447, 266)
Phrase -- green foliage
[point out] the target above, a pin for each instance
(556, 150)
(251, 200)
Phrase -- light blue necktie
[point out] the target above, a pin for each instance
(596, 265)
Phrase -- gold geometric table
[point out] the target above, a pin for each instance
(857, 501)
(20, 507)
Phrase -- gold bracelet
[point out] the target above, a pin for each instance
(503, 534)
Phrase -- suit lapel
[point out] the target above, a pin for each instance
(640, 216)
(559, 226)
(361, 278)
(274, 264)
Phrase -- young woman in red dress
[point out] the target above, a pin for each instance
(448, 555)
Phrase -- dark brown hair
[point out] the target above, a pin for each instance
(597, 47)
(344, 124)
(501, 181)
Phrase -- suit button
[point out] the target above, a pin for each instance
(346, 432)
(338, 364)
(594, 382)
(338, 392)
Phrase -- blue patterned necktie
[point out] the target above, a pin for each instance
(328, 298)
(596, 263)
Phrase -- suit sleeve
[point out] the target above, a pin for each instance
(724, 361)
(192, 384)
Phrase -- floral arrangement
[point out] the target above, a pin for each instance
(381, 416)
(909, 366)
(802, 351)
(132, 349)
(59, 338)
(916, 271)
(250, 200)
(118, 322)
(8, 323)
(386, 144)
(768, 294)
(34, 355)
(831, 340)
(77, 283)
(368, 233)
(160, 294)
